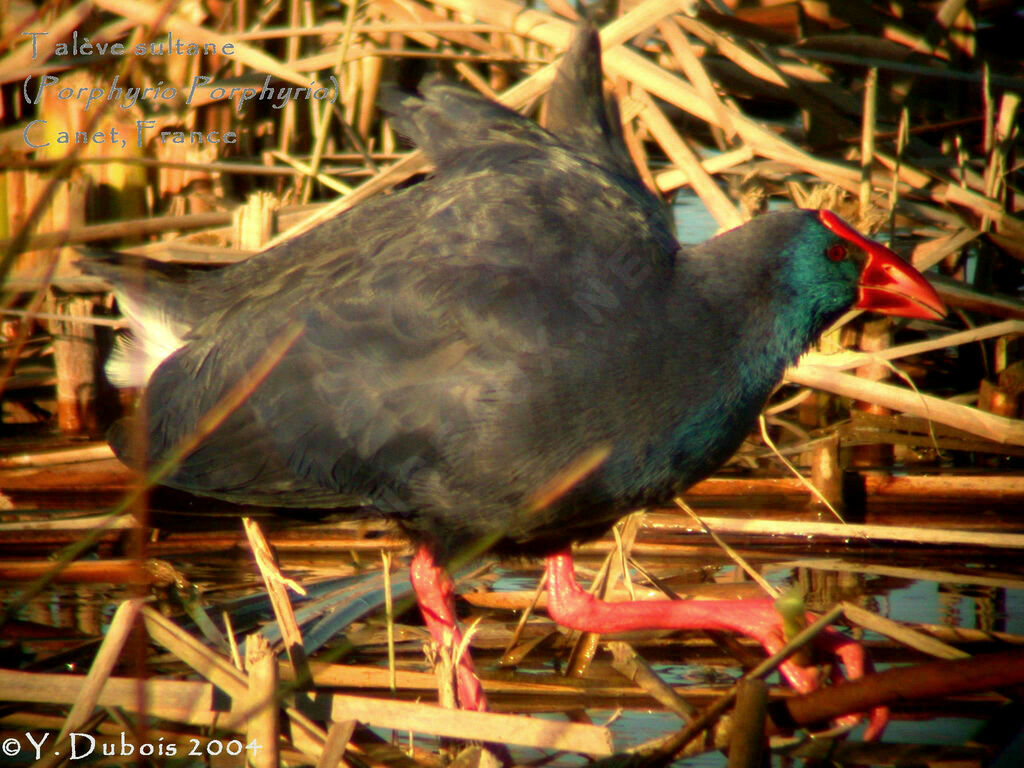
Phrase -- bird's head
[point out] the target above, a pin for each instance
(791, 274)
(886, 283)
(811, 266)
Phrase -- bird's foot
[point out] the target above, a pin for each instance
(759, 619)
(570, 606)
(435, 593)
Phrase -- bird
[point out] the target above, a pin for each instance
(507, 356)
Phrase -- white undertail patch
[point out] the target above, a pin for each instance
(155, 336)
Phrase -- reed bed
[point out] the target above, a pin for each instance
(900, 116)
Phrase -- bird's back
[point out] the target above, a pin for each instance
(450, 333)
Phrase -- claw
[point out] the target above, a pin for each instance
(806, 679)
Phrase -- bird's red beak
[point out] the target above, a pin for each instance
(887, 283)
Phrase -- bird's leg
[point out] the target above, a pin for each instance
(572, 607)
(435, 594)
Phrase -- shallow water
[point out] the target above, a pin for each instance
(85, 610)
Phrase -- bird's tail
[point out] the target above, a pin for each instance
(156, 299)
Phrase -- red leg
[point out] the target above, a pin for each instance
(571, 607)
(434, 592)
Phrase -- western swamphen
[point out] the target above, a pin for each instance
(507, 356)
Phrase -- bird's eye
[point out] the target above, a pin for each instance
(836, 252)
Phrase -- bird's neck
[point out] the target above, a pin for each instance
(742, 343)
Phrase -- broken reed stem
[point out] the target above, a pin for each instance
(867, 139)
(322, 119)
(894, 192)
(103, 664)
(716, 201)
(732, 553)
(845, 360)
(696, 73)
(275, 583)
(990, 426)
(262, 727)
(746, 737)
(623, 562)
(338, 736)
(796, 472)
(389, 614)
(632, 140)
(106, 322)
(229, 634)
(584, 647)
(989, 106)
(902, 634)
(635, 668)
(506, 657)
